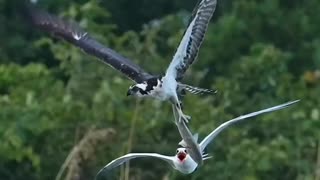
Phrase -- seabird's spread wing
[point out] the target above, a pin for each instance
(189, 46)
(189, 141)
(80, 38)
(214, 133)
(128, 157)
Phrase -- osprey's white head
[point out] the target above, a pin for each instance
(138, 90)
(145, 88)
(183, 161)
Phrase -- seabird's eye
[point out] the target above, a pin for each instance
(177, 150)
(185, 151)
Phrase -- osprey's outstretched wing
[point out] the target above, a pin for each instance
(215, 132)
(74, 34)
(189, 46)
(117, 162)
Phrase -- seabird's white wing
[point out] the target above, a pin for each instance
(128, 157)
(214, 133)
(189, 46)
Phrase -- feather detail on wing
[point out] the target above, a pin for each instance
(192, 39)
(214, 133)
(196, 90)
(117, 162)
(74, 34)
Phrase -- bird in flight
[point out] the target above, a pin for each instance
(167, 87)
(190, 155)
(190, 141)
(181, 161)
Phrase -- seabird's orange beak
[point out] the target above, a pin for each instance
(181, 156)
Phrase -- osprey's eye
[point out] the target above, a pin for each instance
(135, 89)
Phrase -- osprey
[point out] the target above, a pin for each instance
(190, 155)
(167, 87)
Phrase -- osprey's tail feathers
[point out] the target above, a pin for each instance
(194, 90)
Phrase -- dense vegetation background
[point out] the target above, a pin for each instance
(257, 53)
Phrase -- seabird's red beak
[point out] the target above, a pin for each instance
(181, 156)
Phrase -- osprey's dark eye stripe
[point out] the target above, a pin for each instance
(143, 92)
(135, 89)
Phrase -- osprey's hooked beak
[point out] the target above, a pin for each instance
(129, 92)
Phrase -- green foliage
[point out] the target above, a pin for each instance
(256, 54)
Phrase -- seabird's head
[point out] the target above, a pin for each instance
(184, 163)
(137, 90)
(182, 154)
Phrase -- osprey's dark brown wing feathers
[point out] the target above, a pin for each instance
(72, 33)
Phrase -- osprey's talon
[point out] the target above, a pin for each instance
(184, 117)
